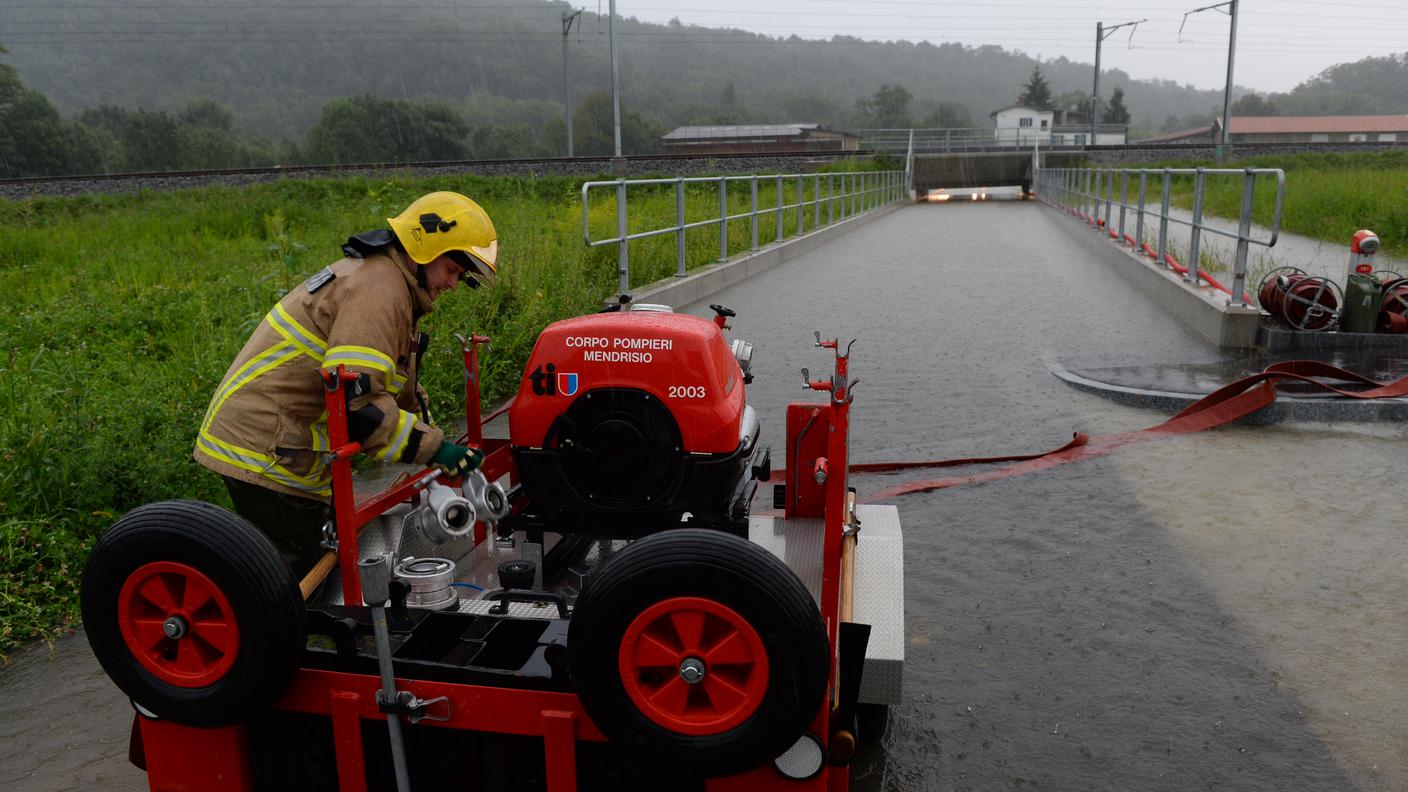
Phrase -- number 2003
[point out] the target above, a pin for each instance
(687, 392)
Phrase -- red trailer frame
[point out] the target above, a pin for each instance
(179, 757)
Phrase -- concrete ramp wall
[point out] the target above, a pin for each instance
(972, 169)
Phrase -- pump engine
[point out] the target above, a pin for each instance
(634, 421)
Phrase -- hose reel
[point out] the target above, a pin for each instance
(1308, 303)
(1393, 305)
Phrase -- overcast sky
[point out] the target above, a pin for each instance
(1279, 42)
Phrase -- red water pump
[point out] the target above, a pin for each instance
(635, 420)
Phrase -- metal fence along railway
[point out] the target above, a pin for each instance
(333, 168)
(1090, 193)
(845, 195)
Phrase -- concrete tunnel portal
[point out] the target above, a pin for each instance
(975, 169)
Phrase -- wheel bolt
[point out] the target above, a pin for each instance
(174, 627)
(692, 670)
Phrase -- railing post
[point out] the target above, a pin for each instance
(1110, 196)
(1194, 240)
(1139, 215)
(1085, 195)
(679, 228)
(623, 256)
(1163, 222)
(723, 218)
(816, 201)
(779, 209)
(855, 195)
(1239, 272)
(830, 198)
(799, 206)
(754, 218)
(1094, 199)
(1124, 201)
(1099, 197)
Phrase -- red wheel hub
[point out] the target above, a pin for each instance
(178, 624)
(693, 666)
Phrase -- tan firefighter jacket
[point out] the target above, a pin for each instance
(267, 423)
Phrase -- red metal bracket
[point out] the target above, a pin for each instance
(221, 764)
(474, 427)
(560, 749)
(345, 707)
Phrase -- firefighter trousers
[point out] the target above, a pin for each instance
(293, 524)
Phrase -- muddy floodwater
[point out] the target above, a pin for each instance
(1213, 611)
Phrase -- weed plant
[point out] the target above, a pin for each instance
(120, 315)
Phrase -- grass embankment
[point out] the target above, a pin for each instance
(120, 315)
(1328, 196)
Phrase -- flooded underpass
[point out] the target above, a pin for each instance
(1211, 611)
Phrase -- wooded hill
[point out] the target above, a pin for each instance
(500, 62)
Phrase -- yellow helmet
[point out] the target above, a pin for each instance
(446, 222)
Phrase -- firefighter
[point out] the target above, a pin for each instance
(265, 431)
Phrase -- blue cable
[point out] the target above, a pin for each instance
(468, 586)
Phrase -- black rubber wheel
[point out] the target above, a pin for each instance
(749, 598)
(210, 578)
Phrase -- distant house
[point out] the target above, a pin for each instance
(1024, 126)
(1072, 128)
(757, 138)
(1016, 125)
(1297, 129)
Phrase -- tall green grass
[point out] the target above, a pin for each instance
(120, 315)
(1328, 196)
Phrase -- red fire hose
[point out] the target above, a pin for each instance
(1224, 405)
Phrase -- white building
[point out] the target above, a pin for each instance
(1022, 126)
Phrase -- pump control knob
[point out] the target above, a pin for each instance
(517, 574)
(722, 311)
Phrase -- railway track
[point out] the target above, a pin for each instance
(638, 164)
(680, 164)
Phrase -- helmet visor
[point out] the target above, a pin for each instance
(476, 271)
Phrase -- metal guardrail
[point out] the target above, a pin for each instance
(859, 192)
(897, 141)
(1087, 191)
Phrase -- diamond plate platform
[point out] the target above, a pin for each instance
(879, 592)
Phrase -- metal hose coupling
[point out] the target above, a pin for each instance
(489, 499)
(446, 514)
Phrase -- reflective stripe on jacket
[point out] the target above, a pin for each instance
(266, 423)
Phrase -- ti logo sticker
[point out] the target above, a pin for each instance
(543, 382)
(548, 381)
(567, 383)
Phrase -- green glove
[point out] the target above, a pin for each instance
(456, 460)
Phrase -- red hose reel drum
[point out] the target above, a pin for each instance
(1303, 301)
(1393, 307)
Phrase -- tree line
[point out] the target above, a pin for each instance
(35, 140)
(276, 66)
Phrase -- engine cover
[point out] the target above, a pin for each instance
(684, 361)
(625, 421)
